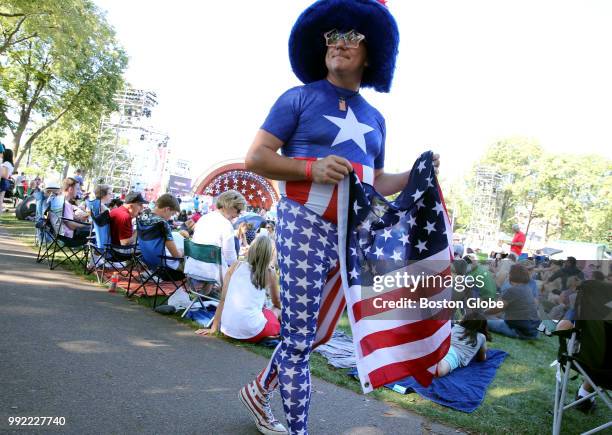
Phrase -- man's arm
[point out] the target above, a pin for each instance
(389, 184)
(173, 250)
(263, 159)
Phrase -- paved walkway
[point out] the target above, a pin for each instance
(108, 365)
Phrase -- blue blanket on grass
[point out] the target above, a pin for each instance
(463, 389)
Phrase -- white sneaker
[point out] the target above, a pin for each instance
(258, 403)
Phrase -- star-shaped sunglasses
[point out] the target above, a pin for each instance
(351, 38)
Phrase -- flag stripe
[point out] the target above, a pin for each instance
(402, 334)
(417, 368)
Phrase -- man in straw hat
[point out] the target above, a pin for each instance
(325, 129)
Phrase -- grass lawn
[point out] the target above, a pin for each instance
(518, 401)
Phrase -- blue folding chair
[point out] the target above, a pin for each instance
(151, 242)
(103, 253)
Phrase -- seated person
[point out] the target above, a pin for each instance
(561, 303)
(166, 206)
(532, 284)
(468, 340)
(586, 388)
(484, 283)
(241, 314)
(122, 229)
(104, 194)
(70, 228)
(503, 268)
(216, 229)
(519, 308)
(186, 229)
(569, 269)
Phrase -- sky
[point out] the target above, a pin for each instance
(469, 72)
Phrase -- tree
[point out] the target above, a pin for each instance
(69, 142)
(570, 195)
(74, 70)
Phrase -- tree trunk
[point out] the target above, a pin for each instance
(65, 171)
(530, 218)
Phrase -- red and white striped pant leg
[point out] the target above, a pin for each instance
(332, 306)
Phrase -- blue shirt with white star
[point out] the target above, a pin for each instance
(309, 122)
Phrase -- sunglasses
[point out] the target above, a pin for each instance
(351, 38)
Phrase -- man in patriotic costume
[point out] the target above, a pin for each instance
(325, 130)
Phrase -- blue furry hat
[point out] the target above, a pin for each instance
(370, 17)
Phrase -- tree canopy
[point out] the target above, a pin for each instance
(571, 195)
(58, 58)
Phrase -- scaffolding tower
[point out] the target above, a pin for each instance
(486, 208)
(115, 157)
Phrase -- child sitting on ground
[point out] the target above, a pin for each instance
(468, 340)
(241, 313)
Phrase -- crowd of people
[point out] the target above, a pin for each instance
(531, 289)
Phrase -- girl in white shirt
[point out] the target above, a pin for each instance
(6, 170)
(241, 313)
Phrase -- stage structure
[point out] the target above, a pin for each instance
(130, 153)
(486, 208)
(232, 175)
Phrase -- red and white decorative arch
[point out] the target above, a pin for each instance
(232, 175)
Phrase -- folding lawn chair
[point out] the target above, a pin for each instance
(206, 254)
(74, 249)
(153, 261)
(587, 349)
(103, 254)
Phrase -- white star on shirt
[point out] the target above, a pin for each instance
(350, 129)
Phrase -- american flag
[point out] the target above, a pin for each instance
(411, 236)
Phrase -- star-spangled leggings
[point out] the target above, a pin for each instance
(310, 282)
